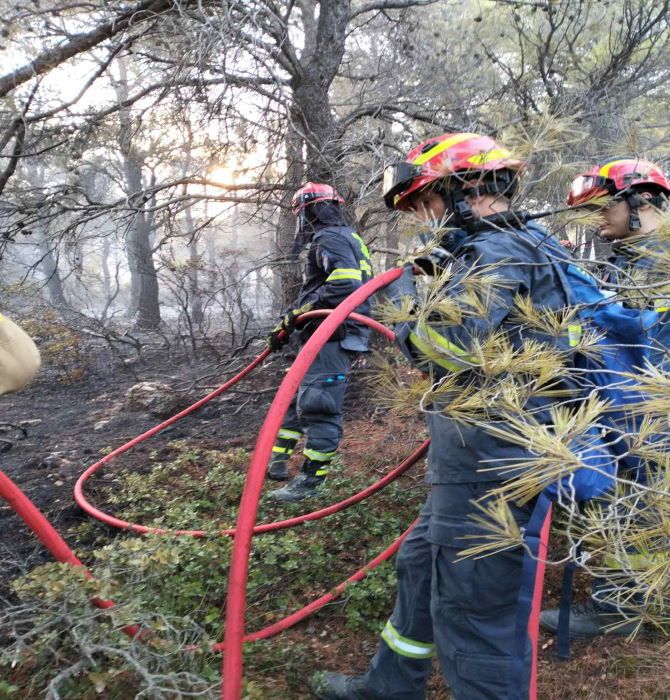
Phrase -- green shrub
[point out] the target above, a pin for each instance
(176, 586)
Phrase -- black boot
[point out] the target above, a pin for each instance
(306, 485)
(588, 620)
(339, 686)
(278, 467)
(303, 486)
(281, 453)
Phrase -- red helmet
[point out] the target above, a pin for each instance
(314, 192)
(442, 157)
(615, 176)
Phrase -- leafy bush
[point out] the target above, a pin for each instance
(176, 586)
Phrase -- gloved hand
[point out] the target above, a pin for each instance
(434, 262)
(280, 333)
(402, 288)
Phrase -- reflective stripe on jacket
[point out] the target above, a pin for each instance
(338, 263)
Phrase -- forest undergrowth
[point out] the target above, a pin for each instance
(56, 644)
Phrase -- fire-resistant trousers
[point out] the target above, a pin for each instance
(464, 610)
(403, 662)
(316, 410)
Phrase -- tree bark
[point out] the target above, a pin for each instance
(144, 305)
(106, 275)
(289, 276)
(194, 293)
(311, 122)
(49, 265)
(325, 39)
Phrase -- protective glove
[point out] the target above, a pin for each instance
(434, 262)
(281, 332)
(403, 288)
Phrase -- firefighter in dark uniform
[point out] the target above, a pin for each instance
(636, 191)
(630, 194)
(463, 611)
(338, 263)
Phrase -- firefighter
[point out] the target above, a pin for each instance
(338, 263)
(630, 195)
(19, 357)
(463, 611)
(636, 192)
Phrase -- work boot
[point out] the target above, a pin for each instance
(587, 620)
(281, 453)
(278, 468)
(339, 686)
(303, 486)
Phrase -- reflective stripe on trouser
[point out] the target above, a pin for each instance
(315, 468)
(473, 601)
(286, 434)
(283, 449)
(392, 674)
(317, 463)
(317, 409)
(405, 646)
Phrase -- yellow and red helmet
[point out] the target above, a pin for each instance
(615, 176)
(454, 154)
(312, 192)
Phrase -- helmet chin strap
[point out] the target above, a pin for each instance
(461, 212)
(456, 203)
(634, 201)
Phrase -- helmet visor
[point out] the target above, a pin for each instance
(301, 201)
(586, 187)
(582, 184)
(398, 178)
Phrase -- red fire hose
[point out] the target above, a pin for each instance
(267, 527)
(47, 535)
(308, 610)
(57, 546)
(231, 688)
(45, 532)
(234, 638)
(112, 521)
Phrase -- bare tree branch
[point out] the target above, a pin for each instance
(50, 58)
(388, 5)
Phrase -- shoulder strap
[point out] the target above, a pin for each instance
(557, 265)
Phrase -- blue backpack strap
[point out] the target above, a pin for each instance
(518, 677)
